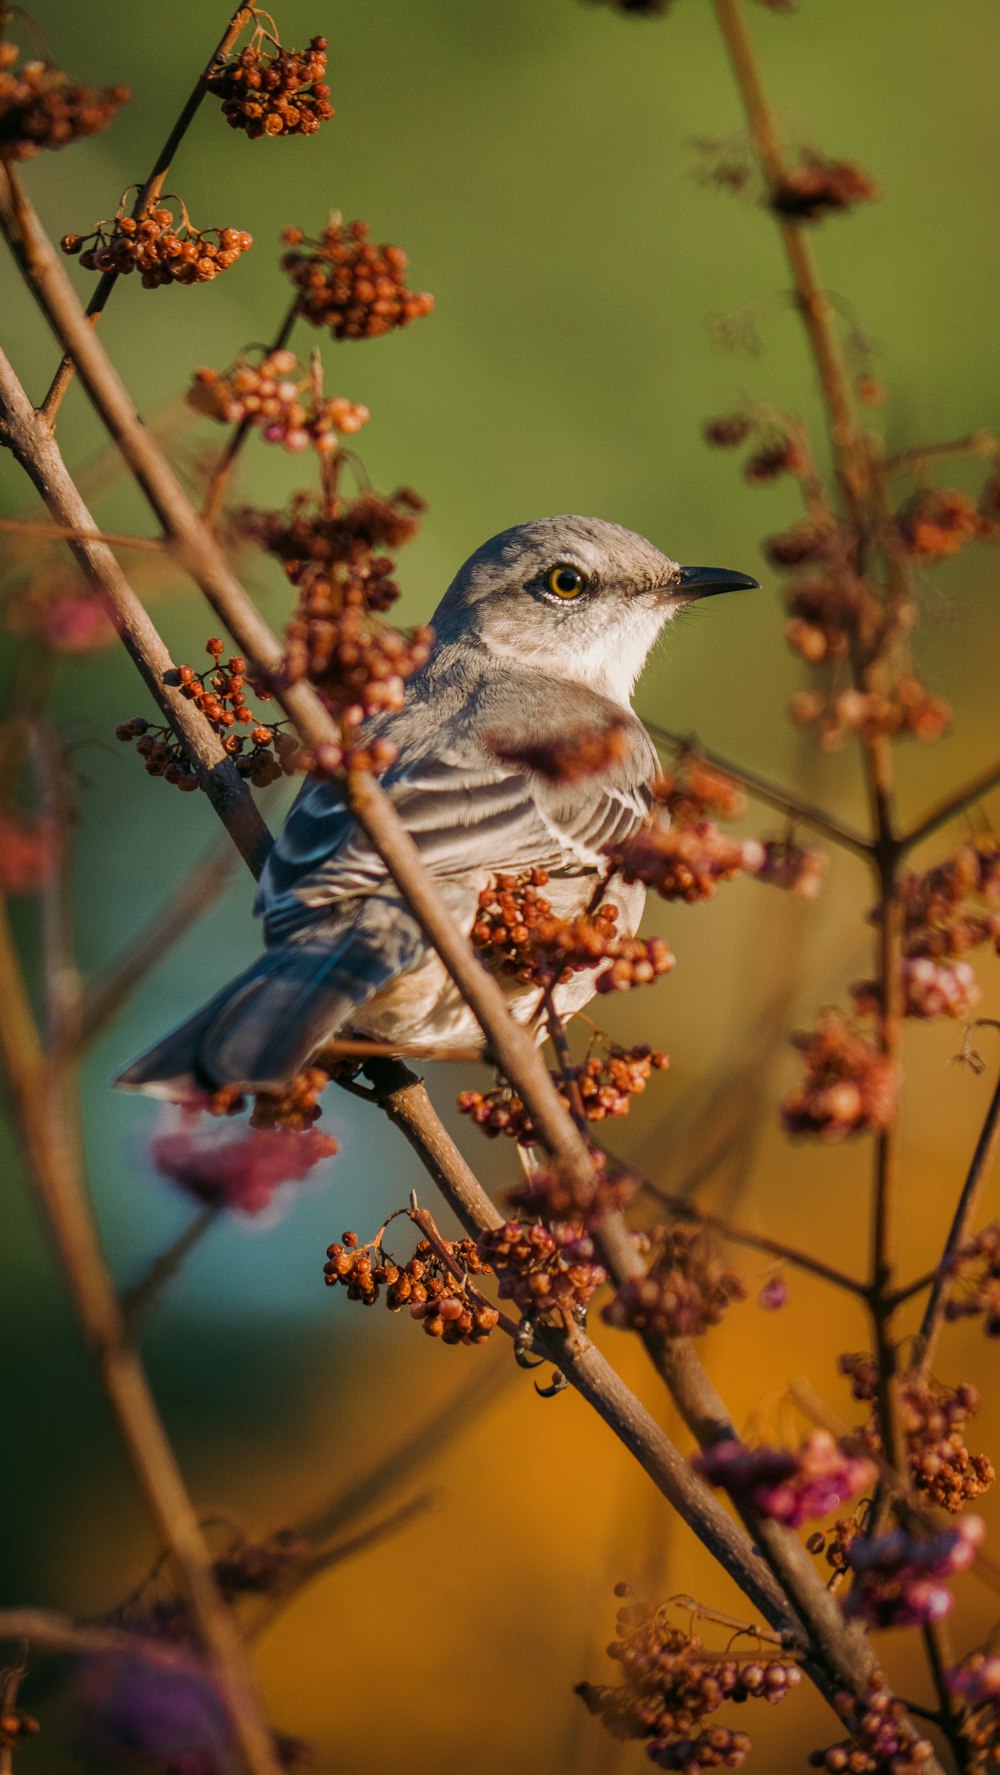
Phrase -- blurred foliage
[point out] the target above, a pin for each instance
(536, 162)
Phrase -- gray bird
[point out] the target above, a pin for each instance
(541, 635)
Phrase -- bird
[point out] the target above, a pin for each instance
(541, 637)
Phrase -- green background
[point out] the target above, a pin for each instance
(536, 161)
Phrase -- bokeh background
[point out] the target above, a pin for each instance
(537, 163)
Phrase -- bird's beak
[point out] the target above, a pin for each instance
(706, 582)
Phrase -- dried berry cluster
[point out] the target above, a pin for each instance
(446, 1306)
(346, 539)
(930, 989)
(242, 1170)
(819, 187)
(41, 107)
(281, 399)
(670, 1686)
(603, 1084)
(548, 1271)
(273, 92)
(350, 285)
(686, 1288)
(835, 1543)
(849, 1087)
(907, 711)
(518, 931)
(938, 522)
(975, 1277)
(975, 1685)
(900, 1579)
(779, 445)
(220, 696)
(882, 1741)
(163, 249)
(15, 1725)
(296, 1107)
(549, 1194)
(798, 868)
(933, 1418)
(788, 1485)
(688, 858)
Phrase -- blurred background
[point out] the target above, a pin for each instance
(538, 165)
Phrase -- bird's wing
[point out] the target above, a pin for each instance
(466, 811)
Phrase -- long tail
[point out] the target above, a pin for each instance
(261, 1029)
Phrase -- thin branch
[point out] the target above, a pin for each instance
(952, 806)
(782, 799)
(105, 995)
(144, 1294)
(66, 532)
(146, 200)
(42, 1104)
(976, 443)
(221, 473)
(982, 1159)
(47, 1631)
(685, 1209)
(349, 1548)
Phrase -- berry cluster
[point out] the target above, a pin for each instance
(295, 1108)
(346, 539)
(240, 1171)
(570, 757)
(41, 107)
(550, 1195)
(938, 523)
(799, 868)
(933, 1419)
(975, 1685)
(694, 790)
(900, 1579)
(882, 1741)
(275, 92)
(819, 187)
(348, 284)
(908, 710)
(684, 862)
(788, 1485)
(446, 1306)
(835, 1542)
(930, 989)
(812, 539)
(15, 1724)
(517, 930)
(849, 1086)
(605, 1086)
(546, 1271)
(938, 920)
(358, 664)
(220, 695)
(685, 1290)
(975, 1275)
(780, 444)
(670, 1686)
(824, 611)
(281, 398)
(161, 248)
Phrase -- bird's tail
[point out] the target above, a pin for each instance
(261, 1029)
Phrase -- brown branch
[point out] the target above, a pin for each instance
(146, 200)
(44, 1110)
(965, 1208)
(65, 532)
(951, 806)
(47, 1631)
(145, 1293)
(782, 799)
(685, 1209)
(220, 476)
(976, 443)
(349, 1548)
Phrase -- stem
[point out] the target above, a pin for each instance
(687, 1210)
(44, 1109)
(26, 527)
(144, 1294)
(982, 1159)
(219, 479)
(146, 200)
(977, 443)
(951, 806)
(782, 799)
(349, 1548)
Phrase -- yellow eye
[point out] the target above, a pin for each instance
(566, 582)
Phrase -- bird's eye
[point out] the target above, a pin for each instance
(566, 582)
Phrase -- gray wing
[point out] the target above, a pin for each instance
(466, 811)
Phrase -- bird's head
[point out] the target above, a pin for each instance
(575, 598)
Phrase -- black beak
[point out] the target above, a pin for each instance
(705, 582)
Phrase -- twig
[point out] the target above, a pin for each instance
(12, 1678)
(982, 1159)
(106, 994)
(976, 443)
(142, 1295)
(782, 799)
(147, 198)
(41, 1099)
(118, 539)
(685, 1209)
(338, 1553)
(951, 806)
(45, 1630)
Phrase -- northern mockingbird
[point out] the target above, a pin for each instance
(541, 635)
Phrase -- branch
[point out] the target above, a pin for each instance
(951, 806)
(782, 799)
(982, 1159)
(219, 478)
(142, 1295)
(685, 1209)
(147, 198)
(65, 532)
